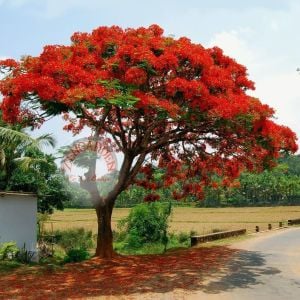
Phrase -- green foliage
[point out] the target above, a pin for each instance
(279, 186)
(8, 251)
(24, 167)
(134, 240)
(293, 164)
(77, 238)
(148, 248)
(76, 255)
(77, 196)
(175, 241)
(130, 197)
(183, 237)
(147, 223)
(6, 266)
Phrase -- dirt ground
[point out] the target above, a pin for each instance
(125, 277)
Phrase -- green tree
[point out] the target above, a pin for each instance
(24, 167)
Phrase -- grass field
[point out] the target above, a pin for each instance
(185, 219)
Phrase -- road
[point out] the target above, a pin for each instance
(266, 268)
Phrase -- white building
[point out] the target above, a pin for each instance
(18, 213)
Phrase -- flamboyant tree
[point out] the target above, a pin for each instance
(161, 101)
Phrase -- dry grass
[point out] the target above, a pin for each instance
(185, 219)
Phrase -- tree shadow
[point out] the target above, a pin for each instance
(242, 271)
(211, 270)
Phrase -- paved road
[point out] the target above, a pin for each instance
(267, 268)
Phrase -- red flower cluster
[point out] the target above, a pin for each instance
(136, 76)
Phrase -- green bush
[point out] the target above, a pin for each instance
(133, 240)
(119, 235)
(76, 255)
(77, 238)
(183, 237)
(146, 223)
(8, 251)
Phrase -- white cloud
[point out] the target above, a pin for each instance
(275, 85)
(282, 92)
(234, 46)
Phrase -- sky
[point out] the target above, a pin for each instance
(261, 34)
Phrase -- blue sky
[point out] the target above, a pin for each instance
(263, 35)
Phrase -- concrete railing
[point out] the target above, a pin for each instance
(215, 236)
(294, 222)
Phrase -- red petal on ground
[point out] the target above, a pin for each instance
(122, 275)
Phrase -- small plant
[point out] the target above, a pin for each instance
(77, 238)
(183, 237)
(193, 233)
(76, 255)
(8, 251)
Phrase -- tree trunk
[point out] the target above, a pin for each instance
(105, 238)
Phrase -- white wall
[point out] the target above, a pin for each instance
(18, 219)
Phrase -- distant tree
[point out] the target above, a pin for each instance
(156, 99)
(281, 185)
(293, 163)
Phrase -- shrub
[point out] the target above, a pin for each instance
(183, 237)
(133, 240)
(119, 235)
(146, 223)
(8, 251)
(76, 255)
(77, 238)
(193, 233)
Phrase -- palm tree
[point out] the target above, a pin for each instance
(15, 145)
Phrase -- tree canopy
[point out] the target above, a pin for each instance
(155, 98)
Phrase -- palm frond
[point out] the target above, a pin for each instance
(2, 157)
(10, 136)
(46, 140)
(25, 163)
